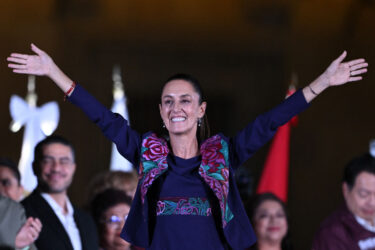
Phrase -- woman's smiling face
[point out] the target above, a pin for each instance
(180, 108)
(270, 222)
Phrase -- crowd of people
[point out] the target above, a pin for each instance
(47, 218)
(53, 222)
(184, 195)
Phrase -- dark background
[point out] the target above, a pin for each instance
(244, 53)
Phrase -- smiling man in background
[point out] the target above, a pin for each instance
(65, 226)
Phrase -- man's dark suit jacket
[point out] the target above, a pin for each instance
(53, 234)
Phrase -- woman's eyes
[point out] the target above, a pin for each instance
(280, 215)
(183, 101)
(363, 194)
(262, 216)
(266, 215)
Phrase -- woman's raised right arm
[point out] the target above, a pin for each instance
(40, 64)
(113, 126)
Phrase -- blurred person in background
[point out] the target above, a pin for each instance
(126, 181)
(270, 221)
(352, 226)
(65, 227)
(10, 180)
(110, 208)
(17, 232)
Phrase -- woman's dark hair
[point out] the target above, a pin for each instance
(252, 208)
(364, 163)
(105, 200)
(203, 131)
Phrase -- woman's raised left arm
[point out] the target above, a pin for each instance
(337, 73)
(261, 130)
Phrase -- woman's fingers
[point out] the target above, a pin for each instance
(358, 72)
(16, 60)
(17, 55)
(36, 49)
(17, 66)
(354, 79)
(21, 71)
(356, 61)
(358, 66)
(341, 57)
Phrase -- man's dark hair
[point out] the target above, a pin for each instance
(38, 151)
(364, 163)
(8, 163)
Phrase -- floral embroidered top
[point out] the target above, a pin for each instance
(188, 203)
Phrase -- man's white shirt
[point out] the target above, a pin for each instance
(66, 220)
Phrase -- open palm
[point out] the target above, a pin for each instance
(339, 72)
(38, 64)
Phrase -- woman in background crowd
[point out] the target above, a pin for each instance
(270, 220)
(125, 181)
(110, 209)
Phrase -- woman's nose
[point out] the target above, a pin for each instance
(176, 106)
(273, 218)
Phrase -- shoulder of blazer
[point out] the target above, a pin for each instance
(53, 231)
(87, 229)
(83, 218)
(34, 204)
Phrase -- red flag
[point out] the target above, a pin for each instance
(275, 173)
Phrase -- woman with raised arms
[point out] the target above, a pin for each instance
(186, 196)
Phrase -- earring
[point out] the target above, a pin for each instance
(163, 124)
(199, 122)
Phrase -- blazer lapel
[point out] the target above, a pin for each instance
(50, 220)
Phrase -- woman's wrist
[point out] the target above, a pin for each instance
(61, 80)
(70, 90)
(316, 87)
(319, 85)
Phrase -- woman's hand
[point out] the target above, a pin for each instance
(39, 64)
(337, 73)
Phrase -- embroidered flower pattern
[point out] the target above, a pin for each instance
(153, 161)
(211, 155)
(183, 206)
(215, 171)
